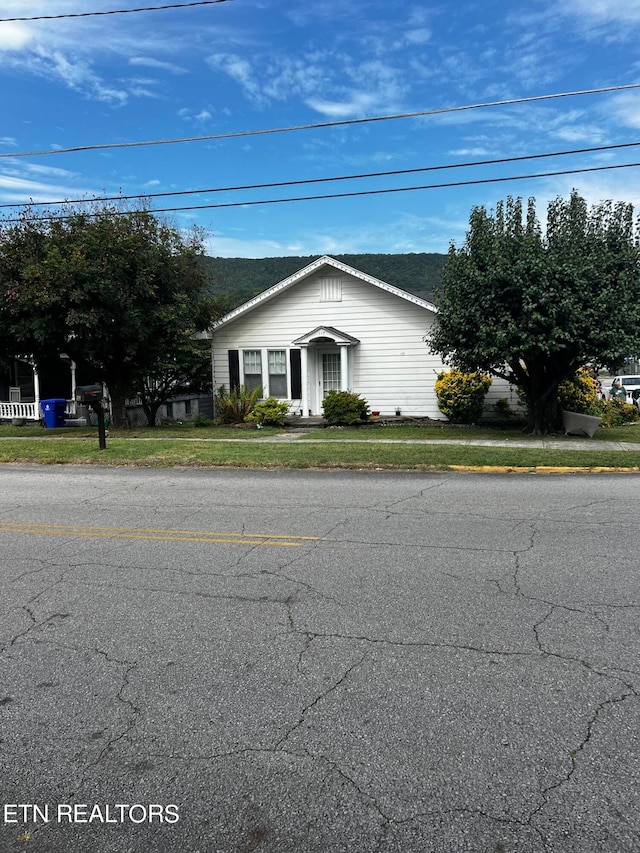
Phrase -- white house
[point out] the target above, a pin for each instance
(330, 326)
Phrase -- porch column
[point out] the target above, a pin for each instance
(72, 404)
(36, 389)
(304, 382)
(344, 367)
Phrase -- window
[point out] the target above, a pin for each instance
(278, 373)
(187, 408)
(252, 363)
(331, 289)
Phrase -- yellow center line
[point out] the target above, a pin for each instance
(275, 539)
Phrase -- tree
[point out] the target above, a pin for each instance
(113, 289)
(185, 369)
(532, 307)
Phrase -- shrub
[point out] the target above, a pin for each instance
(579, 393)
(615, 412)
(201, 420)
(269, 412)
(461, 395)
(235, 406)
(344, 408)
(503, 408)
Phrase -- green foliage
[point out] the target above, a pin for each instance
(503, 408)
(235, 406)
(202, 421)
(269, 412)
(578, 393)
(615, 412)
(344, 408)
(116, 290)
(461, 395)
(183, 368)
(532, 305)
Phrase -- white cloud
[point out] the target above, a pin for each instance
(150, 62)
(358, 104)
(201, 117)
(8, 140)
(239, 70)
(622, 11)
(470, 152)
(418, 36)
(625, 108)
(17, 190)
(14, 36)
(219, 246)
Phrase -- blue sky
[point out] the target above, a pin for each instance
(257, 64)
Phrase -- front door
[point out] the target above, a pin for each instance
(330, 372)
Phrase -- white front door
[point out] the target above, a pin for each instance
(330, 372)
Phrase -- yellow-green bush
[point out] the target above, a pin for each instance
(615, 412)
(461, 395)
(579, 393)
(269, 412)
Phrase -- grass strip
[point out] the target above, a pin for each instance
(304, 455)
(629, 433)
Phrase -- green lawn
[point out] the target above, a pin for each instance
(190, 446)
(167, 431)
(301, 454)
(406, 432)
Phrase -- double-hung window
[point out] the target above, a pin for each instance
(252, 365)
(277, 373)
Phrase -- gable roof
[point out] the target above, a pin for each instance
(329, 332)
(305, 272)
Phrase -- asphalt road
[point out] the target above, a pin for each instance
(313, 662)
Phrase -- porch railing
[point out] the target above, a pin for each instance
(21, 411)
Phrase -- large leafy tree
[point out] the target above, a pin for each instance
(114, 289)
(531, 306)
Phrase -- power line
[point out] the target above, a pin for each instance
(114, 11)
(476, 182)
(388, 173)
(341, 123)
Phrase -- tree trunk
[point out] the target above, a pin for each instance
(543, 416)
(119, 419)
(150, 410)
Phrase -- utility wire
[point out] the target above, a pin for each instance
(476, 182)
(390, 173)
(341, 123)
(114, 11)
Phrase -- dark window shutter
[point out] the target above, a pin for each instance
(296, 374)
(234, 369)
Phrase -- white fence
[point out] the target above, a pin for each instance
(21, 411)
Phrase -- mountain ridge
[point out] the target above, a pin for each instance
(236, 280)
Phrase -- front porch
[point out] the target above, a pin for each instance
(23, 388)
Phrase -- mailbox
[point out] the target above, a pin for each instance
(89, 394)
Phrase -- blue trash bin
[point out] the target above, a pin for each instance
(53, 412)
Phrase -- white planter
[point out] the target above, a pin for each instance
(577, 424)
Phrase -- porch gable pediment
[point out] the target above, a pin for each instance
(326, 334)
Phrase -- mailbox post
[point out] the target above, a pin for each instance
(93, 395)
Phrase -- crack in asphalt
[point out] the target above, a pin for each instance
(134, 710)
(319, 698)
(574, 753)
